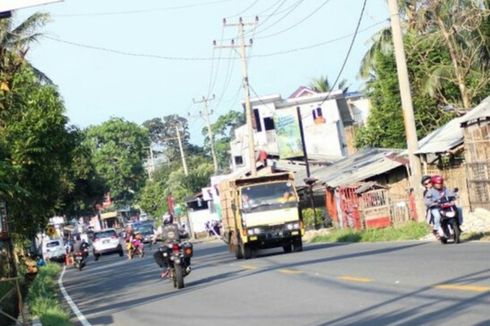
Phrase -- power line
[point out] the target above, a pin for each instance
(356, 31)
(295, 6)
(180, 58)
(140, 11)
(244, 10)
(317, 9)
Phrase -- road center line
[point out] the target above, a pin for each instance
(459, 287)
(72, 304)
(355, 279)
(248, 267)
(290, 271)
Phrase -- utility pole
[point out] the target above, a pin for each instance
(151, 168)
(206, 115)
(406, 98)
(248, 109)
(182, 155)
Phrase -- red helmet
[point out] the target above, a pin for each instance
(437, 179)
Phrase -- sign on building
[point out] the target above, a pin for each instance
(288, 133)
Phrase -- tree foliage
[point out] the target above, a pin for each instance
(223, 130)
(163, 134)
(118, 149)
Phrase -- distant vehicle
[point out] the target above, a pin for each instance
(147, 231)
(53, 250)
(105, 242)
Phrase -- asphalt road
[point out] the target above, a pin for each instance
(403, 283)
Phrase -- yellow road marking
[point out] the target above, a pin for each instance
(249, 267)
(290, 271)
(472, 288)
(355, 279)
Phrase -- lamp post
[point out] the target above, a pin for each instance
(310, 181)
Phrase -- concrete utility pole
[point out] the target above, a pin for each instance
(206, 115)
(406, 97)
(151, 168)
(248, 109)
(182, 155)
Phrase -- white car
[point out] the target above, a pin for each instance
(107, 241)
(53, 249)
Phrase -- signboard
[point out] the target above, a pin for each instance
(288, 133)
(7, 5)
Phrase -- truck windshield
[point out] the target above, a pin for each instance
(268, 194)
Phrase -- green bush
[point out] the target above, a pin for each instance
(407, 231)
(308, 220)
(43, 297)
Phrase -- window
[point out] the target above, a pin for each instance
(318, 116)
(269, 124)
(256, 121)
(238, 160)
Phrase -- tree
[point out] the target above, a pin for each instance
(163, 134)
(223, 130)
(118, 149)
(322, 85)
(34, 144)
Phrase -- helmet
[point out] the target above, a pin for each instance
(437, 179)
(425, 178)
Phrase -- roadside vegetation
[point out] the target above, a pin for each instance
(408, 231)
(482, 236)
(43, 298)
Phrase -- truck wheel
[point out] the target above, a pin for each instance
(247, 251)
(298, 245)
(238, 252)
(287, 248)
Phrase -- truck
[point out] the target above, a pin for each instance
(260, 212)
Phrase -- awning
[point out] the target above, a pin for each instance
(105, 216)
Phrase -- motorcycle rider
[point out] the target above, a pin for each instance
(158, 255)
(432, 196)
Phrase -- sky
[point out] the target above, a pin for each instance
(149, 58)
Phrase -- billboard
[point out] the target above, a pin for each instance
(288, 133)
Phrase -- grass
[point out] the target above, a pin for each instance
(407, 231)
(43, 297)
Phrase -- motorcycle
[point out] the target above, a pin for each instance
(449, 219)
(79, 260)
(177, 256)
(135, 247)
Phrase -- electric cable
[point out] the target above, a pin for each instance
(356, 31)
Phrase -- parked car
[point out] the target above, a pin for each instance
(105, 242)
(53, 250)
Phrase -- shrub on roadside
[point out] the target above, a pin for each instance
(407, 231)
(308, 218)
(43, 297)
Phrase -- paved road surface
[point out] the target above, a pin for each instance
(403, 283)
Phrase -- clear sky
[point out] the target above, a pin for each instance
(170, 39)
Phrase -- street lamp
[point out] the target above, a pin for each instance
(310, 181)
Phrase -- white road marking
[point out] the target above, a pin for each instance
(72, 304)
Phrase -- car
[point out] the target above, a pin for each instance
(53, 249)
(146, 231)
(105, 242)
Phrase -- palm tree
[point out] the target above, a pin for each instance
(322, 85)
(14, 44)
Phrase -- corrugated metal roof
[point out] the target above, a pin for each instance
(480, 111)
(358, 167)
(450, 135)
(443, 139)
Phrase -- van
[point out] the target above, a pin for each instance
(54, 249)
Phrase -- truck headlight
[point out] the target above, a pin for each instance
(293, 226)
(250, 231)
(257, 230)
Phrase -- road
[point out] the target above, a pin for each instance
(402, 283)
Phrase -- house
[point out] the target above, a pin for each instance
(325, 118)
(476, 131)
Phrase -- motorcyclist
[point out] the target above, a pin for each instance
(158, 255)
(427, 183)
(432, 197)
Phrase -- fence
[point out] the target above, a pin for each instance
(371, 209)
